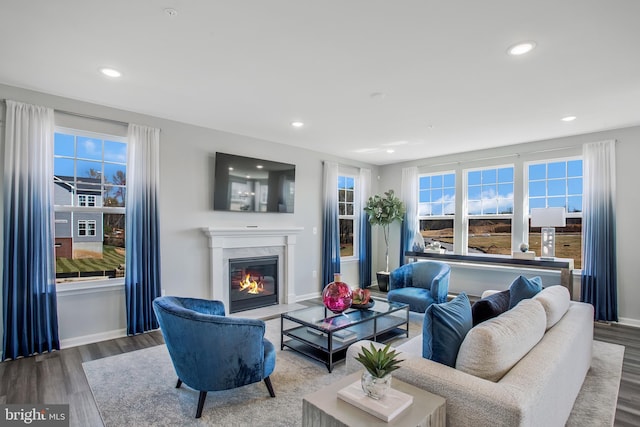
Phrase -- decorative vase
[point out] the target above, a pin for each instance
(374, 387)
(337, 295)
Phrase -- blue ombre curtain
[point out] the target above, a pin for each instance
(599, 277)
(364, 237)
(142, 277)
(409, 197)
(330, 229)
(30, 315)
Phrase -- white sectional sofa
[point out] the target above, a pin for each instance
(522, 368)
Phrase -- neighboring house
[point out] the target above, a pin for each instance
(78, 233)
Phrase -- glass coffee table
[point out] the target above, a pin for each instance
(324, 336)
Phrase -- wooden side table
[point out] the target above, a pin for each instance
(323, 408)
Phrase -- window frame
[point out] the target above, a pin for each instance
(355, 217)
(87, 223)
(73, 207)
(568, 214)
(443, 217)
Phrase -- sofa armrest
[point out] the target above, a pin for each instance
(470, 400)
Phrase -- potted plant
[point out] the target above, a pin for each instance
(378, 364)
(382, 211)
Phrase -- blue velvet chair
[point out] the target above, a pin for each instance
(420, 284)
(211, 352)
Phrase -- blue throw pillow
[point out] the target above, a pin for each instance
(523, 288)
(445, 326)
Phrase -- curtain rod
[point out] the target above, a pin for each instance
(87, 116)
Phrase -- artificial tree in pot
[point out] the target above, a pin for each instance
(382, 211)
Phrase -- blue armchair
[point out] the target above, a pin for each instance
(211, 352)
(420, 284)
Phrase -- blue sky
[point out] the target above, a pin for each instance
(89, 155)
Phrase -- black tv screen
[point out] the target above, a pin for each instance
(245, 184)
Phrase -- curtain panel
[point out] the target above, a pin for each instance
(30, 316)
(330, 229)
(409, 197)
(599, 276)
(364, 237)
(142, 272)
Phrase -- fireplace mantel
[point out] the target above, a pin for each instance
(229, 242)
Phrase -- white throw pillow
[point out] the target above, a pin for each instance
(493, 347)
(555, 301)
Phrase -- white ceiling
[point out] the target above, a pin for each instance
(253, 66)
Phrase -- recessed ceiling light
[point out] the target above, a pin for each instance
(521, 48)
(171, 12)
(110, 72)
(568, 118)
(297, 124)
(391, 150)
(259, 166)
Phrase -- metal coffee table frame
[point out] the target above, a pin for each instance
(311, 331)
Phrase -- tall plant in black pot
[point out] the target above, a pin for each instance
(382, 211)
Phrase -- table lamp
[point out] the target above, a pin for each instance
(547, 219)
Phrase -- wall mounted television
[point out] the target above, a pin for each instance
(246, 184)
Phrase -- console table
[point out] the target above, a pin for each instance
(564, 265)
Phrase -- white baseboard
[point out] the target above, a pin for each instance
(306, 297)
(90, 339)
(629, 322)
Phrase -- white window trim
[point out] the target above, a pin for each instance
(90, 286)
(356, 217)
(87, 223)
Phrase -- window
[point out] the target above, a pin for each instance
(86, 200)
(86, 227)
(347, 215)
(436, 208)
(490, 210)
(89, 198)
(558, 183)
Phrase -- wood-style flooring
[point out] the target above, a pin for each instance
(58, 377)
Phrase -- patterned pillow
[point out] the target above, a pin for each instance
(444, 328)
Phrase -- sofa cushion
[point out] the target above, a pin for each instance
(523, 288)
(445, 326)
(555, 301)
(493, 347)
(490, 307)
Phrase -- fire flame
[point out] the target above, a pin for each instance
(251, 286)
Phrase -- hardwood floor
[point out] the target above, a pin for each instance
(58, 377)
(628, 410)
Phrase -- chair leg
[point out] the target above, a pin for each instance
(267, 381)
(203, 396)
(179, 383)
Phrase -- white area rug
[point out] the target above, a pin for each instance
(138, 389)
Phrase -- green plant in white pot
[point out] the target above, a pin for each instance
(382, 211)
(379, 363)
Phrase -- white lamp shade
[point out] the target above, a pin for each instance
(548, 217)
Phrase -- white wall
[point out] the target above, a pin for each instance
(186, 154)
(627, 206)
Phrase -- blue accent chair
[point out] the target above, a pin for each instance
(420, 284)
(211, 352)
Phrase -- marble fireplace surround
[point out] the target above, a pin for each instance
(243, 242)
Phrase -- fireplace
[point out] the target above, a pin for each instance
(253, 282)
(227, 243)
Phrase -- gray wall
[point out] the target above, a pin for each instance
(627, 205)
(186, 201)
